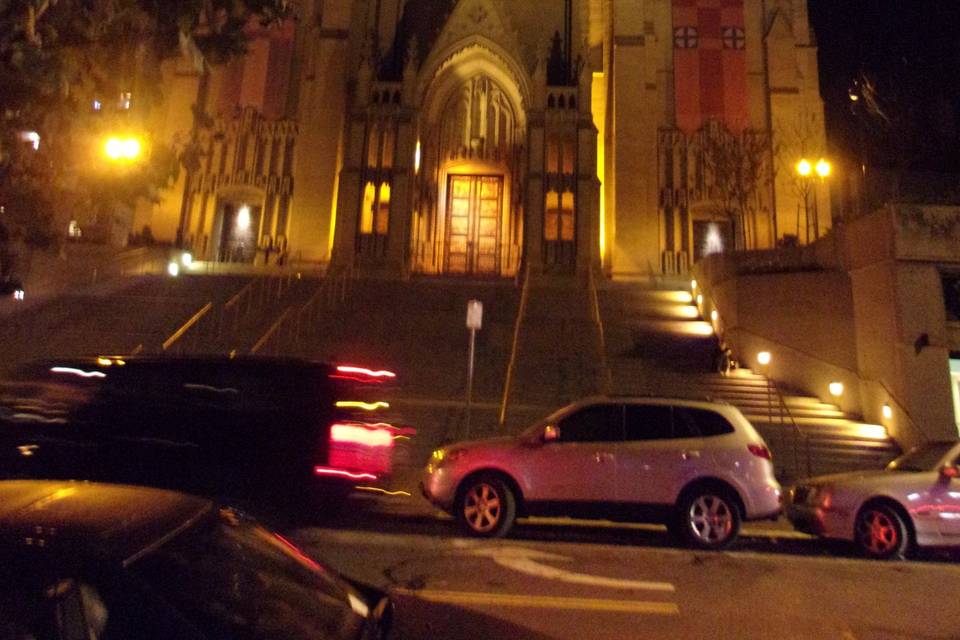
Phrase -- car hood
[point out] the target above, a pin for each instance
(500, 442)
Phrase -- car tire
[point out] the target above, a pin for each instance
(707, 518)
(881, 533)
(486, 506)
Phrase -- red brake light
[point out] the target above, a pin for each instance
(361, 434)
(343, 473)
(362, 374)
(760, 451)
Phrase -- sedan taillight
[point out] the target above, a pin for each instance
(760, 451)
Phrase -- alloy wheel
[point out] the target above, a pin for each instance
(880, 533)
(711, 519)
(482, 507)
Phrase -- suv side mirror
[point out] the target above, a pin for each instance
(950, 471)
(551, 433)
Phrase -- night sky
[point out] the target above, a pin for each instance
(912, 43)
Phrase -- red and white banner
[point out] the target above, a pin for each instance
(710, 64)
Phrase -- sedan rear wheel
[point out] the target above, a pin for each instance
(708, 519)
(881, 532)
(486, 507)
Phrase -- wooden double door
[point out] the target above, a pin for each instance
(474, 208)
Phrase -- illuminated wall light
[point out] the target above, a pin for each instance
(243, 218)
(714, 315)
(693, 285)
(186, 259)
(173, 269)
(887, 412)
(699, 299)
(32, 137)
(18, 295)
(836, 389)
(764, 358)
(416, 158)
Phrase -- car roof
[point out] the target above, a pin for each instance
(689, 400)
(160, 361)
(112, 521)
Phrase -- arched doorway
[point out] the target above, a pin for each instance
(469, 207)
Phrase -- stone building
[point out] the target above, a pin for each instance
(470, 137)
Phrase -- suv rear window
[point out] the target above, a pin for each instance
(699, 423)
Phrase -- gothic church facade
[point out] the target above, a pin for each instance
(480, 137)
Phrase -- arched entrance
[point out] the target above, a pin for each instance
(237, 224)
(469, 207)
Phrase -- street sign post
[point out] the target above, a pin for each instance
(474, 323)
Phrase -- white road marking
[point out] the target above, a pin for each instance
(524, 560)
(542, 602)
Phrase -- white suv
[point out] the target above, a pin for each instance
(697, 466)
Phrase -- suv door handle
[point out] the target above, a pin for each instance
(602, 456)
(687, 455)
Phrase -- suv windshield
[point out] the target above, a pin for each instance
(922, 458)
(233, 579)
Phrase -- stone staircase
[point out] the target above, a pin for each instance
(657, 344)
(118, 317)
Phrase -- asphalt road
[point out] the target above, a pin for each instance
(558, 579)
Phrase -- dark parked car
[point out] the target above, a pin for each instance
(84, 560)
(257, 428)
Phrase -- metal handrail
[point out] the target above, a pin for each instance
(910, 420)
(514, 348)
(176, 335)
(606, 384)
(331, 288)
(273, 328)
(783, 408)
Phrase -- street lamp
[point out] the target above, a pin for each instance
(122, 148)
(805, 171)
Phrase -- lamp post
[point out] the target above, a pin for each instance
(806, 170)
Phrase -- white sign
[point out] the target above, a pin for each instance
(474, 314)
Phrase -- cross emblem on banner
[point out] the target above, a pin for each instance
(686, 38)
(734, 38)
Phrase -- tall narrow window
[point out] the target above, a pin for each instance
(366, 212)
(383, 210)
(551, 223)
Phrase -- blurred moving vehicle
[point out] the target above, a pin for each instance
(260, 428)
(85, 560)
(697, 466)
(914, 501)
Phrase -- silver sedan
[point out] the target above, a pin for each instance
(915, 501)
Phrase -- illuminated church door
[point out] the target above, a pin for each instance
(473, 224)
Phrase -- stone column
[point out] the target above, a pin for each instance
(534, 188)
(588, 184)
(350, 189)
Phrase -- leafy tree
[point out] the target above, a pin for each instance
(739, 176)
(57, 57)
